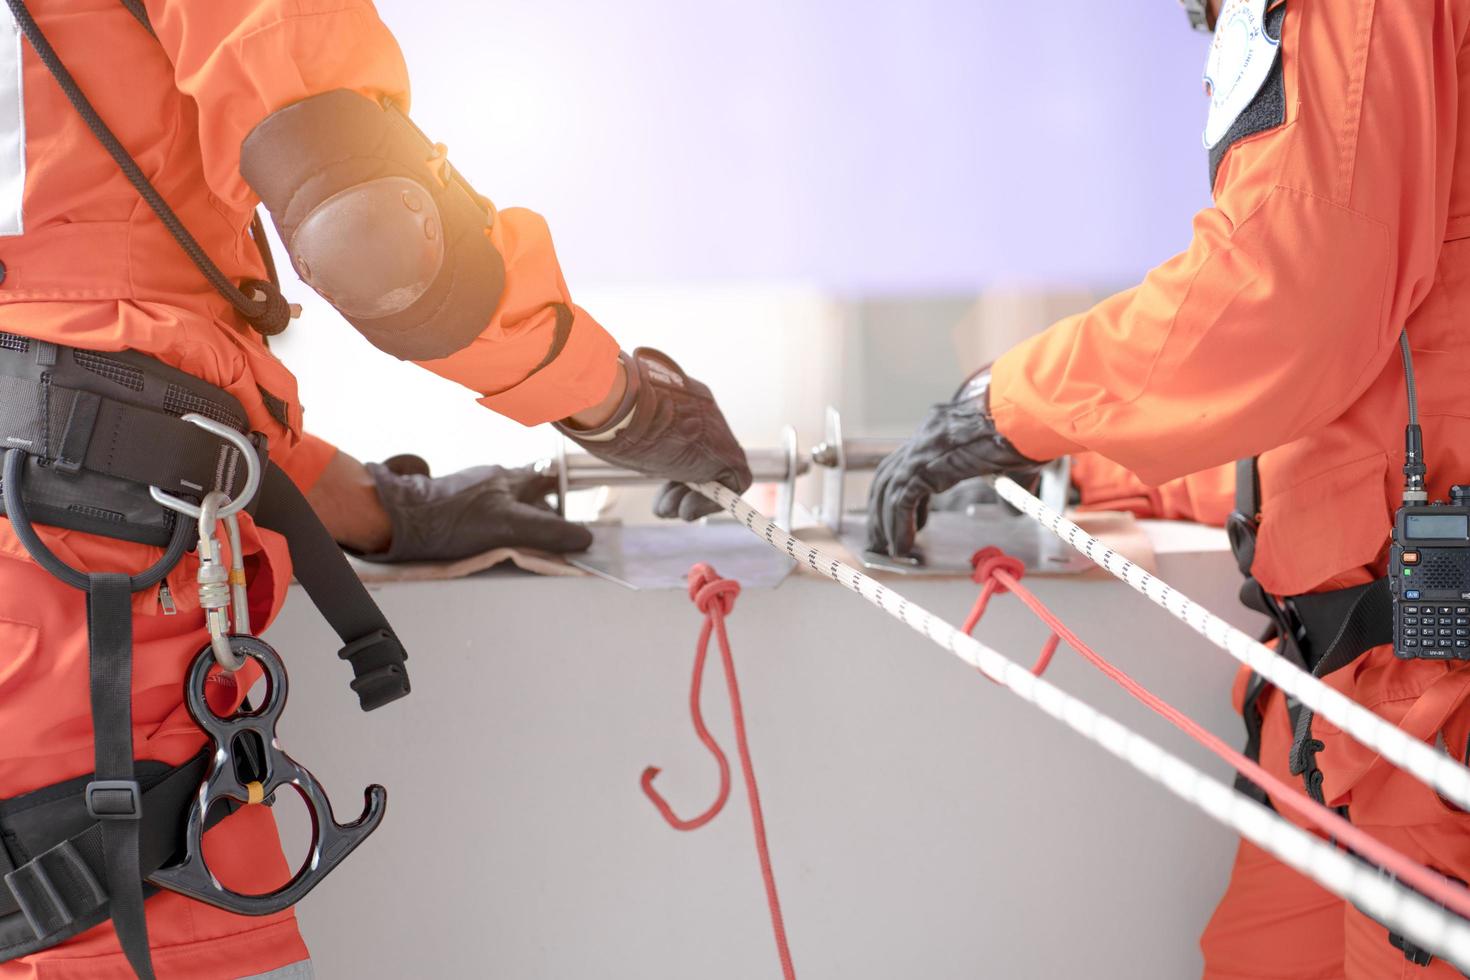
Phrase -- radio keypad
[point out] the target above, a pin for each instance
(1435, 630)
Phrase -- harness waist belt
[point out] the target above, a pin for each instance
(99, 428)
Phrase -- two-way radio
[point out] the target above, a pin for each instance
(1429, 562)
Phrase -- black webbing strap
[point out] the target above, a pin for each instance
(80, 430)
(1321, 633)
(376, 655)
(1243, 526)
(114, 797)
(1328, 630)
(56, 892)
(1248, 486)
(1304, 749)
(131, 443)
(1340, 627)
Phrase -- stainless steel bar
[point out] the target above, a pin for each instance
(584, 471)
(581, 471)
(860, 454)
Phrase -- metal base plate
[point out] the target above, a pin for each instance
(951, 537)
(659, 556)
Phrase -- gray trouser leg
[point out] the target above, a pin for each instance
(296, 971)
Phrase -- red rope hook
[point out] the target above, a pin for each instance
(715, 597)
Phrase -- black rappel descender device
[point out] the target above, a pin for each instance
(246, 742)
(331, 842)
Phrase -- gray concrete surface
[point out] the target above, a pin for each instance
(923, 823)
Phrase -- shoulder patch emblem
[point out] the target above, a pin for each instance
(1241, 58)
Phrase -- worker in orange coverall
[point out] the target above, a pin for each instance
(1337, 145)
(218, 104)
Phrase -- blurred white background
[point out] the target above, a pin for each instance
(802, 202)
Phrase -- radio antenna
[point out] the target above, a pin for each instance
(1414, 467)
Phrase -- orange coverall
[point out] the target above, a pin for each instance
(94, 268)
(1275, 333)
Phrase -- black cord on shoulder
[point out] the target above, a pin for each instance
(263, 246)
(267, 309)
(140, 14)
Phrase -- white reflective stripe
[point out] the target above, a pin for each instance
(295, 971)
(12, 126)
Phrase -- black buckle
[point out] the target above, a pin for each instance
(114, 799)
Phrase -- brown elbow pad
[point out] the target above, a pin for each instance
(377, 222)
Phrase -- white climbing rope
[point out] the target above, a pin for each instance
(1427, 764)
(1403, 911)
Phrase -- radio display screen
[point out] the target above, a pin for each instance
(1432, 526)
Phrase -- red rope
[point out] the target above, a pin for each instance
(989, 563)
(1005, 576)
(715, 597)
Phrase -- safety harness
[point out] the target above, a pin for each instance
(103, 427)
(90, 439)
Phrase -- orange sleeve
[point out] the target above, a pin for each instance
(241, 60)
(1207, 497)
(306, 461)
(507, 364)
(1290, 298)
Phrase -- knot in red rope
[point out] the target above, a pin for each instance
(993, 570)
(710, 592)
(990, 560)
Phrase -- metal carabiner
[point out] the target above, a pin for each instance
(252, 470)
(221, 588)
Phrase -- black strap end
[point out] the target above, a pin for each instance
(378, 662)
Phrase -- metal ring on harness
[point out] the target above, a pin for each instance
(252, 471)
(20, 521)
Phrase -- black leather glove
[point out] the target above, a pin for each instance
(469, 512)
(669, 426)
(956, 442)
